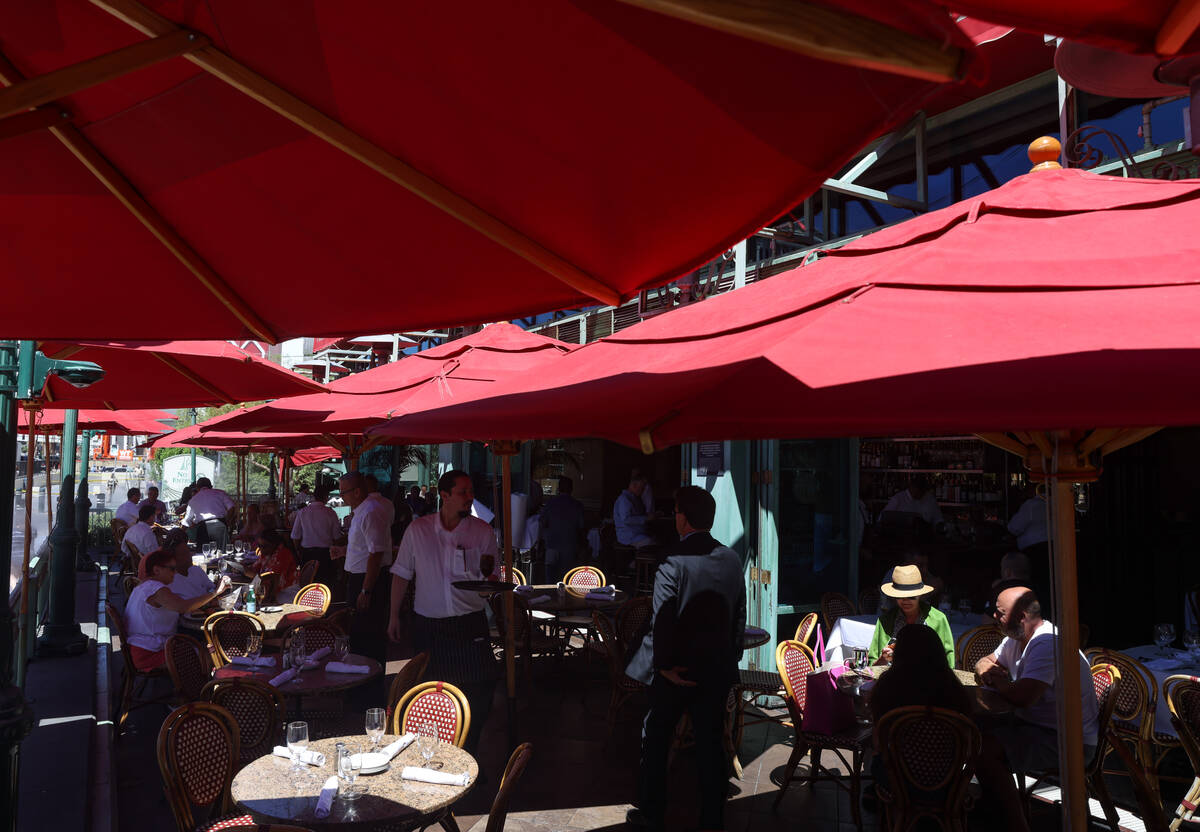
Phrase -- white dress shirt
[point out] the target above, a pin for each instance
(127, 512)
(436, 556)
(207, 504)
(385, 505)
(316, 526)
(192, 585)
(142, 536)
(926, 508)
(370, 531)
(1029, 523)
(148, 627)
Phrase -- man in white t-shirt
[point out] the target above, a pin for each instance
(438, 549)
(1022, 671)
(368, 553)
(316, 528)
(127, 512)
(140, 535)
(916, 499)
(207, 509)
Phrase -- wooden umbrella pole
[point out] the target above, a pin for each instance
(30, 445)
(506, 450)
(49, 500)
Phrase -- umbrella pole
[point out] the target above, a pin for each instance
(1070, 718)
(506, 450)
(49, 484)
(22, 620)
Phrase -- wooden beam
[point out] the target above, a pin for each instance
(123, 190)
(32, 121)
(60, 83)
(1126, 438)
(1097, 439)
(1005, 443)
(1178, 28)
(175, 365)
(819, 32)
(379, 160)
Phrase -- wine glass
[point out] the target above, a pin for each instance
(1191, 642)
(297, 743)
(1164, 634)
(349, 767)
(341, 648)
(427, 740)
(239, 547)
(374, 725)
(207, 549)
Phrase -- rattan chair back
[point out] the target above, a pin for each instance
(930, 757)
(806, 629)
(315, 597)
(1137, 697)
(317, 634)
(794, 662)
(198, 747)
(128, 584)
(633, 621)
(258, 709)
(406, 680)
(976, 643)
(308, 572)
(189, 666)
(834, 605)
(868, 601)
(522, 617)
(340, 619)
(438, 702)
(118, 528)
(517, 762)
(1106, 683)
(232, 634)
(584, 577)
(1183, 699)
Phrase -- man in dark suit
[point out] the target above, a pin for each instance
(690, 659)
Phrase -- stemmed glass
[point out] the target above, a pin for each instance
(374, 726)
(1191, 642)
(1164, 634)
(297, 743)
(239, 547)
(349, 767)
(341, 648)
(427, 740)
(207, 549)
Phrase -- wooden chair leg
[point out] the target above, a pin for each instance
(797, 755)
(126, 699)
(1182, 812)
(1100, 788)
(856, 789)
(448, 822)
(814, 763)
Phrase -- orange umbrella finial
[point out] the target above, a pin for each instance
(1044, 152)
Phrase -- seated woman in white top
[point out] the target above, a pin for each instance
(152, 612)
(190, 580)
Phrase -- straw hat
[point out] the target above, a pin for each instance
(905, 583)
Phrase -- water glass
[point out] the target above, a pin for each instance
(427, 740)
(341, 648)
(349, 766)
(297, 743)
(374, 726)
(1191, 642)
(207, 549)
(1164, 634)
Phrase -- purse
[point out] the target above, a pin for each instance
(827, 710)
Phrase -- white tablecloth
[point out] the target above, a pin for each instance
(852, 631)
(1183, 665)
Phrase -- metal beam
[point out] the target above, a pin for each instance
(872, 194)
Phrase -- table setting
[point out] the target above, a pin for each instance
(1162, 661)
(300, 673)
(852, 631)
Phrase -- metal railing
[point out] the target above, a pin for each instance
(25, 627)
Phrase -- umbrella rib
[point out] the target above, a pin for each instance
(120, 187)
(194, 378)
(335, 133)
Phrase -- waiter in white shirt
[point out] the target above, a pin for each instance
(206, 512)
(140, 535)
(368, 552)
(127, 512)
(916, 499)
(316, 528)
(450, 623)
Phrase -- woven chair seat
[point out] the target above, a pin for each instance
(628, 683)
(762, 681)
(857, 738)
(1125, 728)
(1165, 739)
(227, 822)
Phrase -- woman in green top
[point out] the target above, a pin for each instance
(907, 587)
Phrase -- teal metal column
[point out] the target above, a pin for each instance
(271, 493)
(61, 635)
(193, 412)
(16, 719)
(83, 503)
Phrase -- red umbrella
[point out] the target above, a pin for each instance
(456, 371)
(168, 374)
(508, 158)
(123, 422)
(191, 437)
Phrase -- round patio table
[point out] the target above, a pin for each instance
(754, 637)
(569, 601)
(266, 789)
(310, 682)
(288, 616)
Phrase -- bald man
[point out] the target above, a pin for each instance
(1022, 671)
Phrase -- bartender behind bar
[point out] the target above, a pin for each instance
(450, 624)
(916, 499)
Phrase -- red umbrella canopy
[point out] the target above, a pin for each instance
(123, 422)
(191, 437)
(455, 371)
(506, 159)
(1061, 299)
(168, 374)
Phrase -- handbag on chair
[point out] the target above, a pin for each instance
(827, 710)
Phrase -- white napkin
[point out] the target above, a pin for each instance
(272, 609)
(325, 801)
(307, 756)
(246, 661)
(601, 594)
(317, 655)
(390, 751)
(428, 775)
(524, 589)
(285, 676)
(538, 599)
(342, 667)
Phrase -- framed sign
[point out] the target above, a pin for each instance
(710, 458)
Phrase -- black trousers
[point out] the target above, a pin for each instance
(461, 654)
(705, 703)
(368, 629)
(326, 573)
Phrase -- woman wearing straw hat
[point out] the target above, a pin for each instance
(907, 587)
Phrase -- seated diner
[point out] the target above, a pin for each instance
(275, 556)
(907, 588)
(153, 609)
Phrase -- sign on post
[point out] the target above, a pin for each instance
(177, 474)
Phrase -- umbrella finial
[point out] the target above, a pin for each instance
(1044, 153)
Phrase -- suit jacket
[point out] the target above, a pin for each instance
(699, 614)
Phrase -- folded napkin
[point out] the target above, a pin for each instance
(246, 661)
(271, 609)
(524, 589)
(307, 756)
(390, 751)
(325, 801)
(342, 667)
(286, 676)
(601, 594)
(538, 599)
(317, 655)
(428, 775)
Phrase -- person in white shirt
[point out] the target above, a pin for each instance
(190, 581)
(1022, 671)
(916, 499)
(160, 508)
(140, 536)
(303, 497)
(316, 528)
(206, 512)
(153, 609)
(385, 505)
(127, 512)
(450, 623)
(629, 515)
(368, 551)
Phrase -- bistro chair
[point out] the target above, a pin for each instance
(976, 643)
(1150, 808)
(1133, 713)
(189, 665)
(231, 633)
(315, 597)
(930, 757)
(308, 572)
(623, 687)
(806, 629)
(268, 585)
(645, 570)
(406, 680)
(131, 675)
(128, 584)
(198, 747)
(518, 577)
(1107, 680)
(795, 661)
(258, 709)
(1183, 698)
(438, 702)
(340, 619)
(633, 622)
(508, 781)
(528, 640)
(834, 605)
(317, 634)
(868, 601)
(585, 578)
